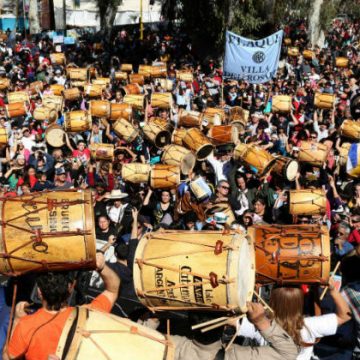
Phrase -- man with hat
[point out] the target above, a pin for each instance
(116, 208)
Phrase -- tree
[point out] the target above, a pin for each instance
(107, 13)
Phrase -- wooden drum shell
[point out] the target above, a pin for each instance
(313, 153)
(118, 111)
(324, 101)
(125, 130)
(100, 108)
(136, 173)
(307, 202)
(77, 121)
(179, 156)
(197, 142)
(102, 151)
(15, 109)
(164, 176)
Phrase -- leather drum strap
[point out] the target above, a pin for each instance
(71, 335)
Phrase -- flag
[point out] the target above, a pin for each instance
(352, 165)
(255, 61)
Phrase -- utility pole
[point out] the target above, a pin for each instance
(141, 21)
(64, 16)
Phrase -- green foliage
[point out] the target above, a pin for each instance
(329, 10)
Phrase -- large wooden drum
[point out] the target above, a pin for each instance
(58, 58)
(4, 83)
(44, 113)
(103, 82)
(35, 87)
(213, 117)
(57, 89)
(77, 73)
(293, 51)
(102, 151)
(77, 121)
(3, 136)
(167, 84)
(184, 75)
(286, 168)
(101, 336)
(179, 156)
(100, 108)
(343, 153)
(72, 94)
(164, 176)
(308, 54)
(307, 202)
(281, 103)
(136, 101)
(118, 111)
(132, 89)
(324, 101)
(136, 173)
(341, 62)
(54, 136)
(224, 134)
(159, 71)
(239, 117)
(47, 231)
(190, 118)
(145, 71)
(93, 90)
(197, 142)
(291, 254)
(125, 130)
(313, 153)
(18, 96)
(53, 101)
(162, 100)
(350, 129)
(136, 79)
(15, 109)
(256, 158)
(178, 136)
(159, 136)
(121, 76)
(205, 270)
(128, 68)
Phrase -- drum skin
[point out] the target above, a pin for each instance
(44, 113)
(125, 130)
(291, 254)
(179, 156)
(313, 153)
(169, 264)
(105, 342)
(47, 231)
(159, 136)
(102, 151)
(254, 157)
(350, 129)
(136, 173)
(281, 103)
(54, 135)
(286, 168)
(307, 202)
(164, 176)
(197, 142)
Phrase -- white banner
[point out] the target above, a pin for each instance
(255, 61)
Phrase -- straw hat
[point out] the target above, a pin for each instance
(116, 194)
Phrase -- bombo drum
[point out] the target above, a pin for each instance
(341, 62)
(44, 113)
(102, 151)
(164, 176)
(93, 90)
(180, 156)
(162, 100)
(324, 101)
(286, 168)
(281, 103)
(350, 129)
(197, 142)
(15, 109)
(17, 97)
(72, 94)
(213, 117)
(118, 111)
(178, 136)
(293, 51)
(132, 89)
(313, 153)
(136, 101)
(307, 202)
(190, 118)
(205, 270)
(125, 130)
(54, 136)
(136, 173)
(4, 83)
(90, 334)
(77, 121)
(53, 102)
(256, 158)
(58, 58)
(291, 254)
(57, 89)
(47, 231)
(224, 134)
(136, 79)
(157, 134)
(77, 73)
(3, 136)
(200, 188)
(100, 108)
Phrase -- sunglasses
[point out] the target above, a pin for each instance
(314, 137)
(225, 187)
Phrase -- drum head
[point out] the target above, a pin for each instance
(55, 137)
(162, 139)
(291, 170)
(243, 270)
(204, 151)
(187, 163)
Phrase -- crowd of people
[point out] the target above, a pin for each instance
(234, 194)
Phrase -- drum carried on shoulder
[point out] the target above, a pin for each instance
(125, 130)
(209, 270)
(96, 336)
(102, 151)
(350, 129)
(179, 156)
(47, 231)
(197, 142)
(164, 176)
(54, 136)
(136, 173)
(157, 134)
(77, 121)
(307, 202)
(291, 254)
(313, 153)
(286, 168)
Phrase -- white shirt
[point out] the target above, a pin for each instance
(116, 214)
(28, 142)
(315, 327)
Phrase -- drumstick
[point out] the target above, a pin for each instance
(327, 286)
(209, 322)
(263, 302)
(231, 341)
(221, 323)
